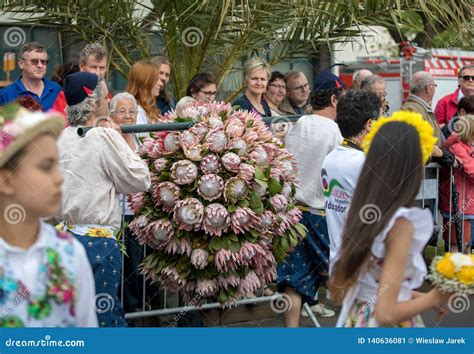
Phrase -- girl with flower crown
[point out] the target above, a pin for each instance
(380, 263)
(45, 277)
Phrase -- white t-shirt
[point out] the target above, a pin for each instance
(311, 139)
(340, 172)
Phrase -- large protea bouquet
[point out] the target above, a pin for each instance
(220, 211)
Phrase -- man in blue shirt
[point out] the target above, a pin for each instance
(33, 62)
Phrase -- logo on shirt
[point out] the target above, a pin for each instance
(336, 197)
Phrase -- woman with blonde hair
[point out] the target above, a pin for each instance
(256, 75)
(144, 84)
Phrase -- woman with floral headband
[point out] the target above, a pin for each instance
(45, 278)
(385, 229)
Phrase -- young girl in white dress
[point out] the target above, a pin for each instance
(45, 277)
(380, 263)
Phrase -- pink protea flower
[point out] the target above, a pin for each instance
(262, 191)
(188, 214)
(200, 130)
(206, 287)
(294, 215)
(283, 224)
(259, 155)
(193, 153)
(234, 128)
(171, 143)
(278, 203)
(210, 186)
(243, 219)
(215, 121)
(267, 219)
(151, 148)
(231, 280)
(235, 189)
(264, 265)
(226, 260)
(249, 250)
(158, 232)
(171, 278)
(165, 194)
(246, 171)
(240, 145)
(249, 283)
(250, 137)
(276, 172)
(216, 140)
(160, 164)
(286, 190)
(188, 139)
(288, 168)
(179, 246)
(135, 201)
(216, 219)
(231, 161)
(139, 227)
(210, 164)
(199, 258)
(183, 172)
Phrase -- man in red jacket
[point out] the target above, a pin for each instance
(447, 106)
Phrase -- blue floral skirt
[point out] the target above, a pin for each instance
(306, 267)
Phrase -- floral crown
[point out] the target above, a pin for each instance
(19, 126)
(425, 131)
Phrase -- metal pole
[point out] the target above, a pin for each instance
(144, 128)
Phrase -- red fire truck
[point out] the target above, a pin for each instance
(443, 64)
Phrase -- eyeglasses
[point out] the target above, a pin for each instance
(283, 87)
(467, 77)
(37, 61)
(301, 88)
(208, 93)
(123, 113)
(434, 85)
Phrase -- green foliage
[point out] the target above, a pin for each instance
(215, 35)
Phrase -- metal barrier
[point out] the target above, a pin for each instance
(428, 196)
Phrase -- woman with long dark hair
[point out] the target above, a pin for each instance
(380, 261)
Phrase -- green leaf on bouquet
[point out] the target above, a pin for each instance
(250, 123)
(255, 202)
(165, 176)
(223, 296)
(234, 246)
(231, 208)
(302, 230)
(274, 187)
(244, 203)
(259, 174)
(262, 183)
(216, 244)
(183, 119)
(267, 173)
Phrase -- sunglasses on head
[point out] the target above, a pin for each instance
(36, 61)
(467, 77)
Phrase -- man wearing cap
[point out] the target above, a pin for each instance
(297, 94)
(311, 139)
(33, 62)
(96, 169)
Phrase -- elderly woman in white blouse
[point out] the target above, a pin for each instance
(96, 169)
(123, 111)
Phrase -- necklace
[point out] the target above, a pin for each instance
(351, 144)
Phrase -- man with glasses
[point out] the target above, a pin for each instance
(33, 62)
(447, 106)
(296, 101)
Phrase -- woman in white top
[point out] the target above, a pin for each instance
(123, 111)
(380, 263)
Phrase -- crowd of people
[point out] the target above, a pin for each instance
(346, 159)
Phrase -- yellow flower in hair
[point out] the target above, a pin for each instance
(425, 131)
